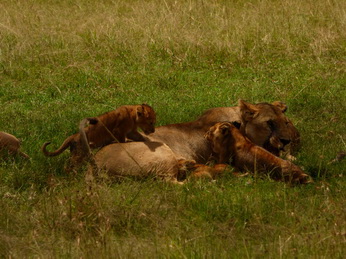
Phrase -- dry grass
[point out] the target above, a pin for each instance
(241, 29)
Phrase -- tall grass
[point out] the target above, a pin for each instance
(61, 61)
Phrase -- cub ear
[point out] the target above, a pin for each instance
(248, 111)
(145, 109)
(236, 124)
(93, 120)
(282, 106)
(140, 110)
(224, 129)
(208, 134)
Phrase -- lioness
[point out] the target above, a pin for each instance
(10, 144)
(265, 124)
(113, 126)
(134, 159)
(233, 147)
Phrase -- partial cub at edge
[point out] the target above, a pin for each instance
(10, 144)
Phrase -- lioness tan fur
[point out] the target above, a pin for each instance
(264, 123)
(10, 144)
(113, 126)
(139, 160)
(134, 159)
(233, 147)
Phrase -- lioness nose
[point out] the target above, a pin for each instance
(285, 141)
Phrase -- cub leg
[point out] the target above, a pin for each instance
(135, 136)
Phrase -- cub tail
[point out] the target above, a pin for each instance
(66, 144)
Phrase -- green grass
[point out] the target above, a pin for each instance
(61, 61)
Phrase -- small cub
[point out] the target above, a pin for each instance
(114, 126)
(10, 144)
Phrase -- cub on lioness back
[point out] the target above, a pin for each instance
(113, 126)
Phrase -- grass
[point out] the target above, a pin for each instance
(61, 61)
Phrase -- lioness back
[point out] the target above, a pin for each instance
(139, 159)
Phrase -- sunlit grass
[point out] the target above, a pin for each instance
(61, 61)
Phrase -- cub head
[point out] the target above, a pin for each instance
(220, 136)
(146, 118)
(266, 125)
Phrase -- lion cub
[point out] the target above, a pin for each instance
(10, 144)
(114, 126)
(233, 147)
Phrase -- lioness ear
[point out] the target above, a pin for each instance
(248, 111)
(282, 106)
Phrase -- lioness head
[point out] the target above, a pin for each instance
(146, 118)
(266, 125)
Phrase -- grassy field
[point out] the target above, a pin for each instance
(61, 61)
